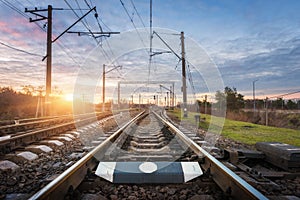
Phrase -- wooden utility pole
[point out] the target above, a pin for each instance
(49, 44)
(49, 49)
(185, 112)
(103, 89)
(49, 60)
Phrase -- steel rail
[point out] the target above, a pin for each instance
(26, 120)
(74, 175)
(227, 180)
(27, 138)
(42, 121)
(10, 129)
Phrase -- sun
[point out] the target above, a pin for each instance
(68, 97)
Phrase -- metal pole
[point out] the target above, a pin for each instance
(119, 95)
(139, 101)
(253, 84)
(267, 111)
(151, 35)
(49, 60)
(185, 112)
(174, 102)
(205, 105)
(103, 88)
(168, 99)
(171, 100)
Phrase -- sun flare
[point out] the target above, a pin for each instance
(68, 97)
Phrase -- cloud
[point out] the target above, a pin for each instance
(278, 68)
(245, 41)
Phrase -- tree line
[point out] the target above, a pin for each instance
(23, 104)
(235, 101)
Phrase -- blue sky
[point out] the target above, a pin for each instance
(247, 40)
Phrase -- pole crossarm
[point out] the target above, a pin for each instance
(115, 67)
(166, 45)
(101, 33)
(42, 17)
(94, 8)
(146, 82)
(166, 88)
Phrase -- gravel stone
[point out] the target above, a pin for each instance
(7, 166)
(113, 197)
(11, 181)
(171, 191)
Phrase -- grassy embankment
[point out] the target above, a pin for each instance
(244, 132)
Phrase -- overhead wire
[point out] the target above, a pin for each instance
(282, 95)
(101, 30)
(131, 20)
(82, 22)
(21, 50)
(90, 6)
(92, 34)
(141, 19)
(10, 5)
(96, 15)
(13, 7)
(65, 49)
(105, 54)
(19, 11)
(84, 19)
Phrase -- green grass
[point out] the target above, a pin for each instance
(244, 132)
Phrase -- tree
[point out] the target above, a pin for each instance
(279, 103)
(28, 89)
(234, 100)
(291, 104)
(221, 100)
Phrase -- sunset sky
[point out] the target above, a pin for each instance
(244, 40)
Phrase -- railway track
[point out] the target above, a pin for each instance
(26, 120)
(39, 130)
(99, 160)
(148, 142)
(33, 163)
(22, 126)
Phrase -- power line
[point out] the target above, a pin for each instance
(82, 13)
(101, 30)
(131, 20)
(96, 15)
(286, 94)
(82, 21)
(11, 6)
(21, 50)
(106, 56)
(138, 13)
